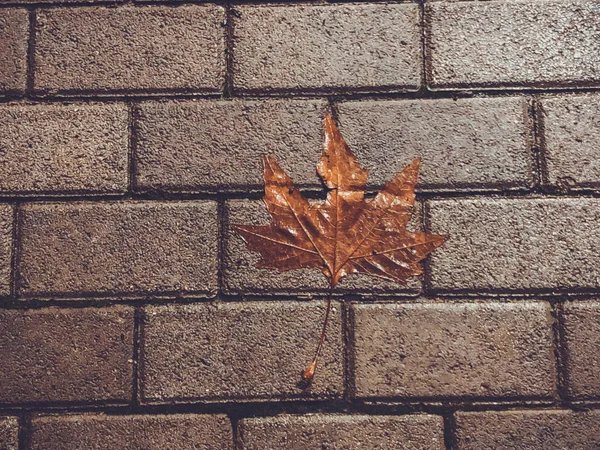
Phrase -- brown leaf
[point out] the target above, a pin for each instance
(345, 234)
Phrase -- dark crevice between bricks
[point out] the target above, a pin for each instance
(25, 431)
(424, 24)
(426, 226)
(230, 12)
(14, 249)
(539, 143)
(449, 431)
(222, 224)
(132, 131)
(560, 352)
(348, 322)
(140, 320)
(31, 53)
(137, 338)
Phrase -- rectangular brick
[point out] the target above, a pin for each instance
(516, 245)
(14, 37)
(454, 350)
(477, 143)
(513, 43)
(571, 126)
(125, 248)
(241, 276)
(9, 433)
(174, 153)
(61, 149)
(310, 47)
(582, 340)
(149, 432)
(108, 50)
(528, 430)
(6, 244)
(66, 355)
(351, 432)
(244, 351)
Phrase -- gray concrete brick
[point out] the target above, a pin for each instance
(464, 350)
(527, 430)
(321, 431)
(310, 47)
(516, 245)
(513, 43)
(241, 276)
(66, 355)
(582, 339)
(118, 248)
(148, 432)
(9, 433)
(238, 351)
(572, 140)
(477, 143)
(130, 49)
(6, 244)
(174, 153)
(14, 35)
(58, 149)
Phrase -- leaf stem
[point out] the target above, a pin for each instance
(309, 372)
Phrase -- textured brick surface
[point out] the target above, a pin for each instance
(14, 34)
(53, 148)
(9, 433)
(475, 143)
(118, 248)
(485, 350)
(128, 48)
(327, 46)
(217, 145)
(6, 242)
(240, 274)
(150, 432)
(320, 431)
(582, 340)
(65, 355)
(513, 43)
(238, 351)
(572, 137)
(516, 244)
(528, 430)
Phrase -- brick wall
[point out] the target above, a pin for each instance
(130, 139)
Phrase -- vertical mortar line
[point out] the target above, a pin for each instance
(132, 142)
(31, 54)
(560, 352)
(538, 147)
(349, 351)
(230, 13)
(425, 226)
(221, 232)
(424, 23)
(333, 109)
(16, 250)
(24, 436)
(137, 336)
(237, 440)
(449, 430)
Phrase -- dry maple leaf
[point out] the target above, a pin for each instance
(346, 233)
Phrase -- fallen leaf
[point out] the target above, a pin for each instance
(345, 233)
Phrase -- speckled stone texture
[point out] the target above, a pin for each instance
(130, 48)
(14, 33)
(9, 433)
(513, 43)
(148, 432)
(476, 350)
(571, 136)
(66, 355)
(513, 245)
(57, 149)
(118, 249)
(6, 243)
(209, 145)
(240, 274)
(478, 143)
(228, 351)
(582, 340)
(312, 47)
(351, 432)
(528, 430)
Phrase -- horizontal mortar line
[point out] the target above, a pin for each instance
(352, 298)
(422, 195)
(337, 96)
(276, 407)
